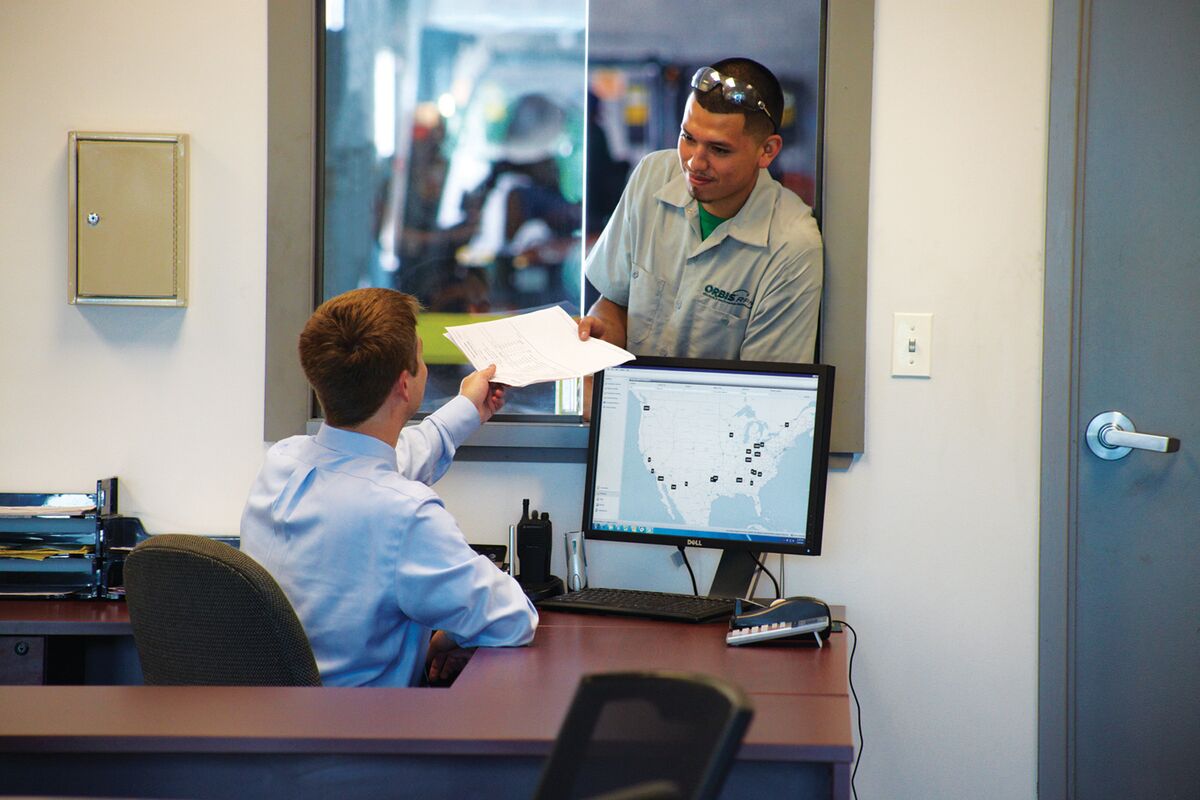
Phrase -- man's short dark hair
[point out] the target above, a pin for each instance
(763, 81)
(353, 349)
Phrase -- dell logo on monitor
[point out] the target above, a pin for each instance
(695, 543)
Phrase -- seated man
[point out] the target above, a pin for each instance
(345, 520)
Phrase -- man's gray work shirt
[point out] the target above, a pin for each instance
(750, 291)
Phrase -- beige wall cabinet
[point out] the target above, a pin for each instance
(127, 219)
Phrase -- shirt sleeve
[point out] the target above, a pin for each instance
(426, 450)
(783, 324)
(443, 584)
(610, 262)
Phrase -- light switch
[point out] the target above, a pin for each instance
(912, 340)
(127, 219)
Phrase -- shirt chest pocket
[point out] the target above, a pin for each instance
(646, 292)
(713, 314)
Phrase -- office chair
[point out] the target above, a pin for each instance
(646, 736)
(206, 614)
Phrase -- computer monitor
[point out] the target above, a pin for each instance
(723, 454)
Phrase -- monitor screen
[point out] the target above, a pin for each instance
(725, 454)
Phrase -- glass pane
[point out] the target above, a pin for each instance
(454, 143)
(453, 146)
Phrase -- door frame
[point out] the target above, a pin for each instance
(1058, 525)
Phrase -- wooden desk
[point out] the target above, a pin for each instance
(486, 736)
(67, 642)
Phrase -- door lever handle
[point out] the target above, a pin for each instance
(1111, 435)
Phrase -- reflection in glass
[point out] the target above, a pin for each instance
(453, 139)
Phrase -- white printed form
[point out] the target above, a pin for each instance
(534, 348)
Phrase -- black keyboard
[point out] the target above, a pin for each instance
(637, 603)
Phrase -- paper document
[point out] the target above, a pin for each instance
(534, 348)
(45, 511)
(42, 553)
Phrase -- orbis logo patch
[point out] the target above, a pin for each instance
(739, 297)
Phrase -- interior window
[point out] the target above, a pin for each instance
(472, 150)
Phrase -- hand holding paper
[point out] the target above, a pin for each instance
(534, 348)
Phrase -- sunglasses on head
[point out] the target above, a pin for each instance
(740, 94)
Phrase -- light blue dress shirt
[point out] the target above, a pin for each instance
(369, 556)
(750, 291)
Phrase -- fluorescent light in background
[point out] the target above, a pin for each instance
(335, 15)
(385, 103)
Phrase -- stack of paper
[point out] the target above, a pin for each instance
(45, 511)
(534, 348)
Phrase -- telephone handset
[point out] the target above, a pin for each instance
(798, 620)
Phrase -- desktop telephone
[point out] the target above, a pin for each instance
(788, 620)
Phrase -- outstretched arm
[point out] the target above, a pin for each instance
(488, 397)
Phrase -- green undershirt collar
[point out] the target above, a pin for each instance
(708, 222)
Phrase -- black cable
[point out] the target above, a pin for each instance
(857, 705)
(695, 589)
(763, 567)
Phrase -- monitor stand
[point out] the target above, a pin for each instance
(735, 572)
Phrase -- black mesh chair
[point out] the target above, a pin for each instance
(206, 614)
(646, 735)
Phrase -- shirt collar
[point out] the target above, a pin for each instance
(352, 443)
(751, 225)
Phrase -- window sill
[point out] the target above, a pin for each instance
(564, 442)
(503, 440)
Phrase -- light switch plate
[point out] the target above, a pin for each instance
(912, 343)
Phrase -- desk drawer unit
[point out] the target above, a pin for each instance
(22, 660)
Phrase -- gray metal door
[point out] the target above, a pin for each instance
(1120, 604)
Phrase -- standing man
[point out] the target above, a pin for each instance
(345, 520)
(706, 255)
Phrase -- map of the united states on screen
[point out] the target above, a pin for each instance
(737, 459)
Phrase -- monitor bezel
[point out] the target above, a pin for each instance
(824, 374)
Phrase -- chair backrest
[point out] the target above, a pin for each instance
(647, 734)
(206, 614)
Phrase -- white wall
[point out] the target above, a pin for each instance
(931, 536)
(169, 400)
(937, 553)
